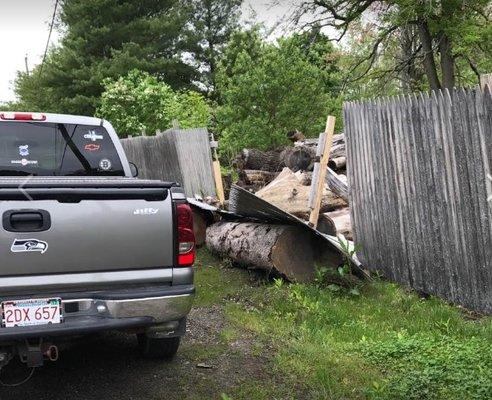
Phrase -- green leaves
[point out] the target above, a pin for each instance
(431, 367)
(139, 103)
(267, 90)
(107, 39)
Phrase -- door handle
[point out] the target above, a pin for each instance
(26, 220)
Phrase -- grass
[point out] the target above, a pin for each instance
(385, 343)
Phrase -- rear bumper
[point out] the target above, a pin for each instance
(117, 310)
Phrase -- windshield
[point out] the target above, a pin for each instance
(47, 149)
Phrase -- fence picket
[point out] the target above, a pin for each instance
(418, 168)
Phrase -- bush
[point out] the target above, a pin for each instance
(139, 103)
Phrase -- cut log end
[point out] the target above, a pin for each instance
(280, 249)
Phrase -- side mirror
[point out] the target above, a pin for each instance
(133, 170)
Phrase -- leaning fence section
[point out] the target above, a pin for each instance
(175, 155)
(421, 191)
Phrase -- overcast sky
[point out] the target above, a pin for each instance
(24, 27)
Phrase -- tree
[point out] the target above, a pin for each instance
(107, 39)
(268, 90)
(211, 24)
(447, 38)
(139, 103)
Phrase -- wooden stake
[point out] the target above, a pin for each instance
(219, 187)
(320, 181)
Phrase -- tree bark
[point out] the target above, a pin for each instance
(280, 249)
(447, 62)
(299, 158)
(429, 62)
(259, 160)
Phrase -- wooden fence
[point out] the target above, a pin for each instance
(182, 156)
(421, 191)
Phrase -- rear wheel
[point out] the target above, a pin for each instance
(158, 348)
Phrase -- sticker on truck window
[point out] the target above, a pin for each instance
(92, 147)
(24, 162)
(93, 136)
(28, 245)
(105, 164)
(24, 150)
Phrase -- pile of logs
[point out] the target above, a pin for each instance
(282, 178)
(300, 157)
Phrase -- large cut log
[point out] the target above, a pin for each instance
(341, 219)
(279, 249)
(259, 160)
(299, 158)
(338, 163)
(337, 184)
(337, 150)
(287, 193)
(257, 177)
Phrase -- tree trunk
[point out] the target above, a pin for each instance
(259, 160)
(280, 249)
(299, 158)
(429, 62)
(447, 62)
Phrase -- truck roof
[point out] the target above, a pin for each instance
(56, 118)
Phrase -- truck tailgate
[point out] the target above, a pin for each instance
(94, 225)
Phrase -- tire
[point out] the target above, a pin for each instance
(158, 348)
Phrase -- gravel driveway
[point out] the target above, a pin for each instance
(109, 367)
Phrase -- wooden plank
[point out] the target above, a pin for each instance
(219, 187)
(320, 183)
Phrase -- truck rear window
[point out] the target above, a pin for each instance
(48, 149)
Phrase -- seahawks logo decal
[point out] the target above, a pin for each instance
(28, 245)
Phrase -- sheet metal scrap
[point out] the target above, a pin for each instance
(209, 211)
(246, 204)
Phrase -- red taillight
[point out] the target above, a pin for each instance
(186, 237)
(10, 116)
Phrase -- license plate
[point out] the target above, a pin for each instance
(31, 312)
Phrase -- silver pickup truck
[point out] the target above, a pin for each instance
(85, 246)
